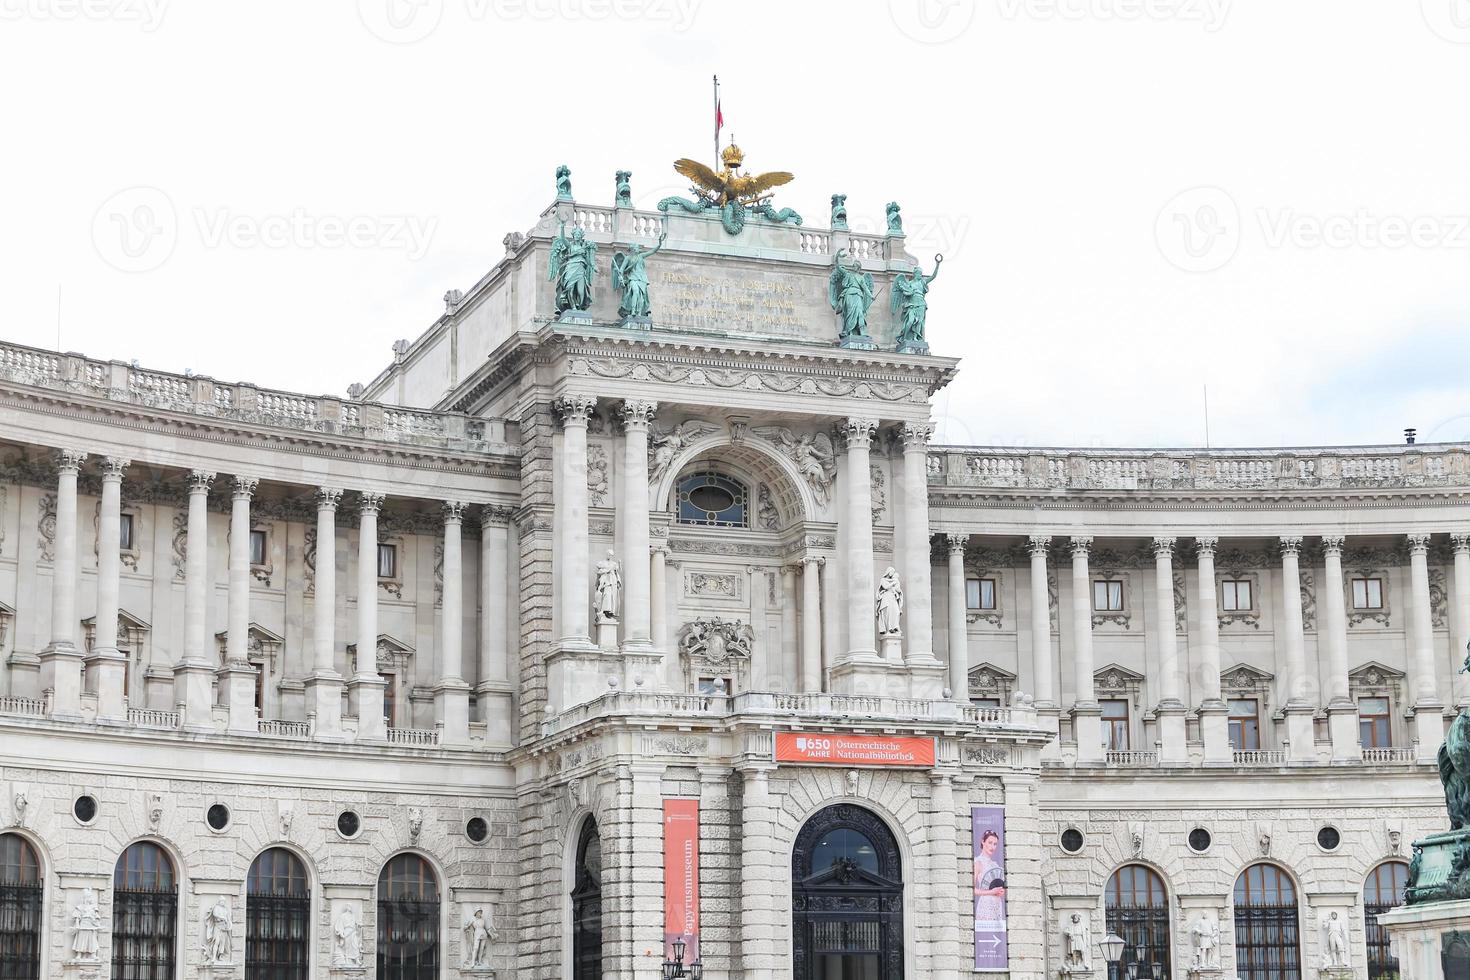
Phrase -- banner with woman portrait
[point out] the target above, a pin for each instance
(987, 834)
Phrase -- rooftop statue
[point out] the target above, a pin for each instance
(733, 192)
(895, 220)
(572, 268)
(563, 183)
(911, 303)
(850, 293)
(624, 196)
(839, 212)
(629, 275)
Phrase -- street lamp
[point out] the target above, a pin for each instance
(676, 970)
(1112, 948)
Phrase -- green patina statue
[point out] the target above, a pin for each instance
(624, 196)
(911, 304)
(1454, 765)
(895, 221)
(850, 293)
(629, 275)
(1440, 869)
(572, 267)
(563, 183)
(839, 212)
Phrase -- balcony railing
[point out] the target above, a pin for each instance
(1390, 753)
(1129, 758)
(24, 707)
(153, 718)
(413, 736)
(285, 729)
(1259, 757)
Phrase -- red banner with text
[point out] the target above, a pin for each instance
(681, 877)
(855, 750)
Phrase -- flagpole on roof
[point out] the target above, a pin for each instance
(717, 123)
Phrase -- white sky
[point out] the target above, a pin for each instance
(1042, 145)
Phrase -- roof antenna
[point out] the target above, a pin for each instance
(1409, 435)
(1207, 416)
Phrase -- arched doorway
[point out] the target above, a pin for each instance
(408, 920)
(1267, 934)
(1138, 910)
(145, 913)
(846, 898)
(587, 905)
(277, 918)
(1383, 889)
(20, 909)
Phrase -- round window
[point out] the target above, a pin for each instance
(1199, 840)
(1072, 840)
(348, 823)
(217, 816)
(85, 808)
(477, 830)
(1328, 838)
(712, 499)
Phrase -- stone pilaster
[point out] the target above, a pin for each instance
(571, 518)
(637, 613)
(61, 661)
(324, 684)
(914, 512)
(194, 673)
(365, 689)
(1342, 712)
(1461, 612)
(493, 690)
(1300, 737)
(106, 666)
(1086, 713)
(451, 693)
(1170, 709)
(236, 675)
(959, 627)
(790, 667)
(860, 624)
(1214, 714)
(762, 951)
(1428, 707)
(811, 625)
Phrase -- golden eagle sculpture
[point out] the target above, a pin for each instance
(733, 193)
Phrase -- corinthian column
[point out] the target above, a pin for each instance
(1342, 713)
(106, 665)
(452, 694)
(61, 661)
(915, 516)
(194, 673)
(1461, 544)
(324, 685)
(811, 625)
(1086, 713)
(1428, 723)
(636, 568)
(575, 573)
(493, 689)
(1170, 710)
(236, 675)
(1301, 738)
(1214, 714)
(860, 622)
(365, 690)
(959, 625)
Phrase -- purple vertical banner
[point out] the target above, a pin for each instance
(988, 835)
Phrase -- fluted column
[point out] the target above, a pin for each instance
(493, 689)
(860, 623)
(324, 684)
(1214, 714)
(61, 661)
(575, 576)
(1428, 723)
(919, 629)
(658, 618)
(637, 615)
(811, 625)
(106, 667)
(1301, 739)
(194, 673)
(451, 693)
(1086, 713)
(236, 675)
(1461, 544)
(1342, 713)
(1170, 710)
(365, 690)
(959, 626)
(790, 657)
(1041, 664)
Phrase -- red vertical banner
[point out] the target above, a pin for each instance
(681, 877)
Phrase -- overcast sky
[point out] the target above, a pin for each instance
(1134, 198)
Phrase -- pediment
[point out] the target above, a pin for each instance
(393, 653)
(257, 633)
(847, 876)
(1245, 676)
(1372, 673)
(6, 610)
(1116, 677)
(125, 621)
(984, 671)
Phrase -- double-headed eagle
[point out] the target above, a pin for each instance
(730, 185)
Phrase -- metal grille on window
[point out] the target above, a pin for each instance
(145, 908)
(1382, 891)
(408, 920)
(1138, 910)
(1267, 935)
(277, 918)
(587, 905)
(712, 499)
(20, 910)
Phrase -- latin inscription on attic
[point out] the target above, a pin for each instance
(781, 304)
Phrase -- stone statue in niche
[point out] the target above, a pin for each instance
(765, 509)
(346, 939)
(1076, 944)
(1204, 937)
(477, 932)
(86, 919)
(1334, 942)
(608, 597)
(890, 603)
(217, 931)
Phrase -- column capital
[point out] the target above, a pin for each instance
(327, 498)
(916, 436)
(1206, 547)
(859, 432)
(112, 468)
(1038, 544)
(369, 502)
(494, 515)
(659, 548)
(1163, 548)
(1332, 544)
(809, 560)
(1418, 543)
(453, 511)
(245, 487)
(70, 460)
(1461, 543)
(637, 414)
(956, 543)
(1080, 545)
(576, 409)
(1291, 545)
(199, 481)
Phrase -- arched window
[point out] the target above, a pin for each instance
(1383, 889)
(408, 920)
(713, 500)
(587, 905)
(145, 912)
(1267, 936)
(277, 918)
(846, 898)
(20, 909)
(1138, 910)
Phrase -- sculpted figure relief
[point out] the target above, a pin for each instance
(910, 303)
(217, 930)
(608, 597)
(664, 447)
(1076, 944)
(1204, 935)
(850, 294)
(572, 268)
(890, 602)
(1334, 942)
(630, 276)
(477, 935)
(86, 919)
(346, 939)
(813, 454)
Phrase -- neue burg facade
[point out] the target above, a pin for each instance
(416, 683)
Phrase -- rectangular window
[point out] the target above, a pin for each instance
(714, 685)
(985, 702)
(1235, 595)
(1367, 593)
(980, 593)
(390, 703)
(125, 532)
(257, 547)
(1373, 723)
(387, 561)
(1107, 596)
(1245, 724)
(1115, 725)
